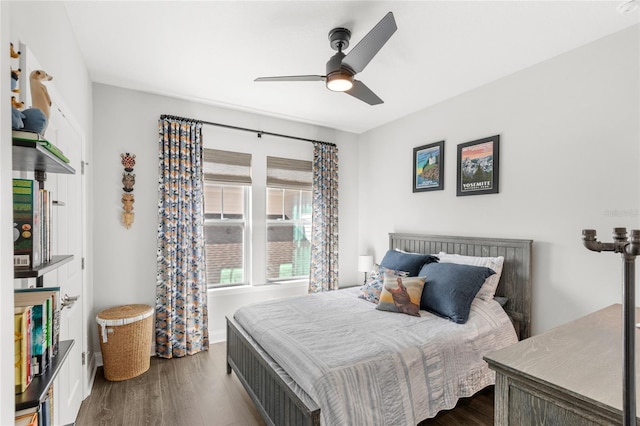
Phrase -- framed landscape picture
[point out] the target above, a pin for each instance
(478, 166)
(428, 167)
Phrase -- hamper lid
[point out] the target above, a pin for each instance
(122, 315)
(126, 314)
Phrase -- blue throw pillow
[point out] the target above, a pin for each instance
(403, 261)
(450, 288)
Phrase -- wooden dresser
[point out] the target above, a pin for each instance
(570, 375)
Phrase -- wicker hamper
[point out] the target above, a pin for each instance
(125, 340)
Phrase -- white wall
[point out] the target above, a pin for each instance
(126, 121)
(569, 155)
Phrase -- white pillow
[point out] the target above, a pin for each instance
(490, 285)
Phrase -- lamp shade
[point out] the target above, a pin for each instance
(365, 263)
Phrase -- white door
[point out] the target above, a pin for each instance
(67, 238)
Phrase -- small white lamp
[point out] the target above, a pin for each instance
(365, 263)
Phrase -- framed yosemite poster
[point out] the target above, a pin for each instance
(478, 166)
(428, 167)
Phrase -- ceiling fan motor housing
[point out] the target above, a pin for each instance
(334, 64)
(336, 70)
(339, 38)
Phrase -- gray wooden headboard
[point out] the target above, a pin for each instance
(515, 281)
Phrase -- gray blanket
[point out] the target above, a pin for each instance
(368, 367)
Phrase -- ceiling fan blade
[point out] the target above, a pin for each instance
(293, 78)
(358, 58)
(362, 92)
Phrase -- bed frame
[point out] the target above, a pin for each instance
(282, 402)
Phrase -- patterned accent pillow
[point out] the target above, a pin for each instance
(401, 294)
(372, 288)
(490, 285)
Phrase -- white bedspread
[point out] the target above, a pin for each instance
(368, 367)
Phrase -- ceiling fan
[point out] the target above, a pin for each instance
(341, 67)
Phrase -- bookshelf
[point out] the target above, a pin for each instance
(31, 156)
(37, 390)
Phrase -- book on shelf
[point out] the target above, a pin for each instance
(46, 299)
(50, 413)
(40, 328)
(26, 135)
(27, 417)
(37, 137)
(26, 224)
(22, 337)
(45, 412)
(44, 214)
(32, 224)
(54, 150)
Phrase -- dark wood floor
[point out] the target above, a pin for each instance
(476, 411)
(196, 390)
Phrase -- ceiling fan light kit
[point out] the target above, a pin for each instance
(339, 82)
(341, 68)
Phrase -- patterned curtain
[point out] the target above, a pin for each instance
(181, 288)
(324, 228)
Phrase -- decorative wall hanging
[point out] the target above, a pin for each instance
(128, 180)
(478, 166)
(428, 167)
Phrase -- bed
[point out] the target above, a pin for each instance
(282, 393)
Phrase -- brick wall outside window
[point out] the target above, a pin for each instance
(229, 256)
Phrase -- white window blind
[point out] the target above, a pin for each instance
(227, 166)
(289, 173)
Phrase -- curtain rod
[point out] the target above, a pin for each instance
(244, 129)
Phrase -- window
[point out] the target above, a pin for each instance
(288, 218)
(227, 190)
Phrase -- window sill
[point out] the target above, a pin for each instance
(244, 289)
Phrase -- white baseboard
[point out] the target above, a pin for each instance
(92, 369)
(217, 336)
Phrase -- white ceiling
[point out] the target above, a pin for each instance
(210, 51)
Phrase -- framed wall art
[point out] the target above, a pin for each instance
(478, 166)
(428, 167)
